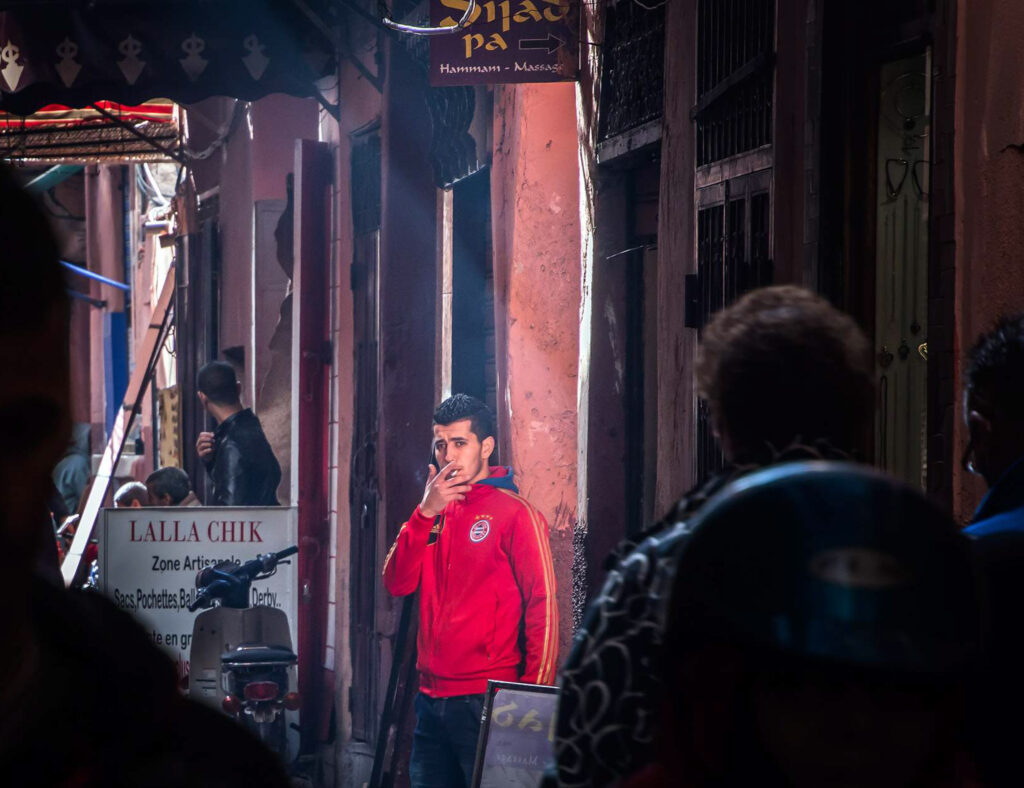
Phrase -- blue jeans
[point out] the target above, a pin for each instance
(444, 742)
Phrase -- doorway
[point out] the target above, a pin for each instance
(887, 206)
(363, 484)
(474, 367)
(901, 268)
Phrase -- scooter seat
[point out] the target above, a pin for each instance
(257, 654)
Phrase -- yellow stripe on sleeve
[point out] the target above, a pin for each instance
(391, 552)
(549, 649)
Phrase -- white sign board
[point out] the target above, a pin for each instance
(149, 559)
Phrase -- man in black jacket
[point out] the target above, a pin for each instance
(238, 458)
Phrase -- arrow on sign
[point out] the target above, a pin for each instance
(552, 43)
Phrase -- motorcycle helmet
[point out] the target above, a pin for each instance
(830, 561)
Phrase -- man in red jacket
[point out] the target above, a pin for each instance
(479, 556)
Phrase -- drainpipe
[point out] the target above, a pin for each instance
(127, 181)
(115, 325)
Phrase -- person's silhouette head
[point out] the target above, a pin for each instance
(782, 365)
(219, 390)
(168, 486)
(132, 495)
(34, 389)
(992, 399)
(822, 628)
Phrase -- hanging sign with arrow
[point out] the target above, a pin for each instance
(506, 41)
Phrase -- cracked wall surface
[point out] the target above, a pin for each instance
(535, 194)
(989, 183)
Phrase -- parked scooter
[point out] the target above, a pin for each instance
(241, 657)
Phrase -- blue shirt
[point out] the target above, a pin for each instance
(1002, 509)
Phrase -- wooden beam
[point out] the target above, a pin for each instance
(446, 274)
(311, 368)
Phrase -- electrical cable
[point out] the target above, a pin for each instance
(238, 112)
(159, 196)
(444, 30)
(143, 186)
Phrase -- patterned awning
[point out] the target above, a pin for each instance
(104, 131)
(74, 53)
(54, 116)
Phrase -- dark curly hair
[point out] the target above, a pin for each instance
(996, 367)
(218, 381)
(169, 481)
(782, 365)
(462, 406)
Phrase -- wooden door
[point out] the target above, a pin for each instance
(311, 358)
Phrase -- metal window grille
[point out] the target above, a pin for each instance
(733, 256)
(735, 85)
(633, 75)
(760, 242)
(366, 169)
(710, 233)
(735, 248)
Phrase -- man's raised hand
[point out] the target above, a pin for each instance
(441, 490)
(205, 444)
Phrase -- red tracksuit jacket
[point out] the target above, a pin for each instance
(488, 577)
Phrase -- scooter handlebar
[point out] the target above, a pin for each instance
(207, 593)
(269, 561)
(243, 573)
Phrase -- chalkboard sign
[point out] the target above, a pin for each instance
(516, 736)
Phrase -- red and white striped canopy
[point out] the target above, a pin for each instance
(54, 116)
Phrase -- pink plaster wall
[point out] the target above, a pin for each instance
(104, 255)
(362, 104)
(536, 220)
(251, 166)
(236, 218)
(278, 121)
(80, 342)
(989, 182)
(71, 236)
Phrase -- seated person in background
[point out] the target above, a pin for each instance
(170, 486)
(50, 549)
(66, 533)
(821, 630)
(131, 495)
(71, 475)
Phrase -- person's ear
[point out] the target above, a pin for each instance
(202, 398)
(487, 447)
(978, 425)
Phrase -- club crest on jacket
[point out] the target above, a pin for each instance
(479, 530)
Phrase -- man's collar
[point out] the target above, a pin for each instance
(225, 425)
(1006, 494)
